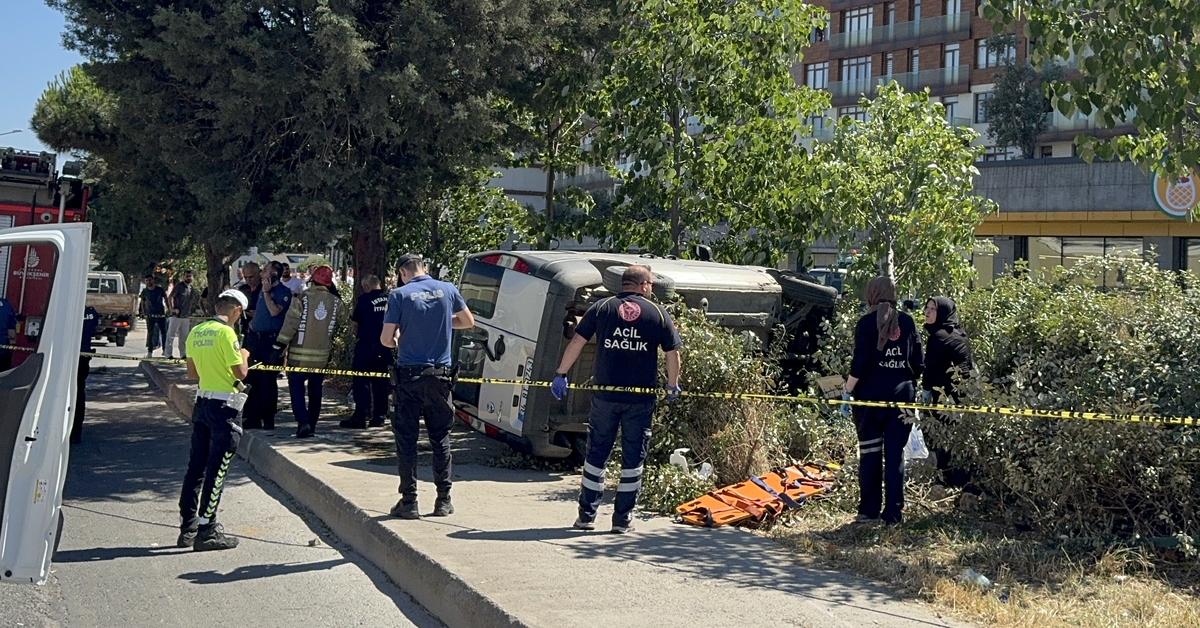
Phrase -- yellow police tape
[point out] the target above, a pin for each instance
(895, 405)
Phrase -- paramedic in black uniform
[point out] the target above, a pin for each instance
(629, 331)
(886, 366)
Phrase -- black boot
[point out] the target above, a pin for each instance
(405, 510)
(442, 507)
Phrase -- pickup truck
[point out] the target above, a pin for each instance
(117, 308)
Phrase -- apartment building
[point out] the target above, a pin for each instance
(1054, 209)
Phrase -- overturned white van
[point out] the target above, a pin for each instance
(527, 303)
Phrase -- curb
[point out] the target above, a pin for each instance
(446, 596)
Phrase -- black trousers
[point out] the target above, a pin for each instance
(81, 375)
(156, 332)
(263, 401)
(371, 393)
(216, 433)
(429, 397)
(882, 435)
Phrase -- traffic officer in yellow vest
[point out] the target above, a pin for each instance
(308, 336)
(216, 359)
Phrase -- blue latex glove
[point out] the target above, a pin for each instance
(926, 396)
(558, 387)
(673, 393)
(845, 409)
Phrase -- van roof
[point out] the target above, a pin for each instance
(579, 269)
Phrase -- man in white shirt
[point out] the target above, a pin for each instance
(293, 283)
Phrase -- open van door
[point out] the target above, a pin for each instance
(43, 275)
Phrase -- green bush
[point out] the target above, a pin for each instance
(1055, 341)
(739, 438)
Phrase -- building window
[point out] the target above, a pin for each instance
(1048, 252)
(981, 107)
(889, 13)
(916, 10)
(856, 69)
(854, 112)
(950, 56)
(816, 75)
(914, 60)
(952, 7)
(995, 153)
(818, 34)
(888, 64)
(951, 106)
(1047, 151)
(985, 58)
(857, 19)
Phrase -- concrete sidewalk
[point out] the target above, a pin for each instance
(508, 557)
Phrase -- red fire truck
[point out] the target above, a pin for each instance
(34, 192)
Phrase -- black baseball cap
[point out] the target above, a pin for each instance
(408, 257)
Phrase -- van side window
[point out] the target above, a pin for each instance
(480, 287)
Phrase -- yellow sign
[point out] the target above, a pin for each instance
(1179, 198)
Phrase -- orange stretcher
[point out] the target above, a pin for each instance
(758, 499)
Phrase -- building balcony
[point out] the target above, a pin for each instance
(933, 30)
(940, 81)
(846, 5)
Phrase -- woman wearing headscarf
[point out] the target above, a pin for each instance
(887, 363)
(949, 352)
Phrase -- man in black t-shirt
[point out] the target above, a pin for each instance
(154, 307)
(629, 331)
(370, 393)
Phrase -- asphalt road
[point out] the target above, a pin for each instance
(117, 564)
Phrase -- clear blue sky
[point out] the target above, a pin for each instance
(32, 36)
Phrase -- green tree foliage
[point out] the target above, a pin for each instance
(1018, 107)
(899, 188)
(1138, 64)
(301, 119)
(468, 218)
(702, 109)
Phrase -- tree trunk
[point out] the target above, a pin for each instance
(216, 273)
(676, 133)
(435, 237)
(366, 240)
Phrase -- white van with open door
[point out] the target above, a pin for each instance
(37, 389)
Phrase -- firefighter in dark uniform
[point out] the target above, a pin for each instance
(91, 318)
(629, 331)
(370, 393)
(424, 311)
(273, 301)
(216, 360)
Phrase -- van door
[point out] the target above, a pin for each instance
(508, 305)
(37, 388)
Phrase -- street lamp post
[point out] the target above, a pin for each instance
(12, 131)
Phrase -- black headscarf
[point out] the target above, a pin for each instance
(947, 316)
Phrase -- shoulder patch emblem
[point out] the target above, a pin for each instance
(629, 311)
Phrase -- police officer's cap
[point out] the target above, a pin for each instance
(409, 257)
(236, 295)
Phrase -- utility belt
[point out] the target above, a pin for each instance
(405, 374)
(233, 400)
(250, 333)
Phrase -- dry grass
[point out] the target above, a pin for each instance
(1037, 582)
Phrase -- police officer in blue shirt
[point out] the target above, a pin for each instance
(273, 301)
(629, 330)
(91, 318)
(423, 311)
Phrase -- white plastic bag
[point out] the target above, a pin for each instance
(915, 449)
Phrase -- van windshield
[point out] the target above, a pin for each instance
(480, 287)
(104, 285)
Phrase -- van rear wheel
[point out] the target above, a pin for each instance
(120, 341)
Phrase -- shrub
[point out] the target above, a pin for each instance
(739, 437)
(1055, 341)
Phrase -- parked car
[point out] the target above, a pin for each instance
(37, 395)
(832, 277)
